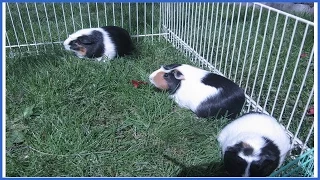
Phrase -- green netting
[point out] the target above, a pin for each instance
(303, 166)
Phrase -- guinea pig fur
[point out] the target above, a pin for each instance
(254, 145)
(205, 93)
(107, 41)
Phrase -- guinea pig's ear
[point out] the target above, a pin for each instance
(86, 40)
(178, 75)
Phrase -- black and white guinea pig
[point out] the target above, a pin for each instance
(107, 41)
(205, 93)
(253, 145)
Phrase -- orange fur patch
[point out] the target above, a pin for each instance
(159, 81)
(83, 50)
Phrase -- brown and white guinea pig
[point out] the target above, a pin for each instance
(205, 93)
(253, 145)
(107, 41)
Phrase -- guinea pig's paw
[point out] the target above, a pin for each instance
(100, 58)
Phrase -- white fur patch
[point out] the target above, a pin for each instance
(109, 47)
(250, 128)
(192, 93)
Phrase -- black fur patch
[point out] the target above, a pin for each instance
(269, 160)
(93, 44)
(173, 83)
(229, 101)
(121, 39)
(171, 66)
(234, 164)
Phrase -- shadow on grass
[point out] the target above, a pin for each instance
(212, 169)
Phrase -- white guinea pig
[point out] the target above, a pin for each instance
(107, 41)
(253, 145)
(205, 93)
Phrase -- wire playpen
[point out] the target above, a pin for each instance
(268, 52)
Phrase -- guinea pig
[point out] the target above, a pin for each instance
(107, 41)
(253, 145)
(205, 93)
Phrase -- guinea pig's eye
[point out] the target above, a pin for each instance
(165, 75)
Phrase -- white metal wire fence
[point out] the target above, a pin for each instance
(268, 52)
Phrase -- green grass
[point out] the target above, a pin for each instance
(74, 117)
(84, 118)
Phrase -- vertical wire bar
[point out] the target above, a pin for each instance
(173, 21)
(179, 20)
(214, 35)
(210, 31)
(174, 25)
(301, 88)
(22, 27)
(32, 31)
(235, 38)
(49, 29)
(97, 11)
(41, 33)
(241, 39)
(89, 15)
(186, 17)
(195, 26)
(186, 13)
(80, 13)
(160, 19)
(295, 69)
(74, 27)
(285, 65)
(121, 11)
(229, 41)
(166, 11)
(14, 28)
(152, 14)
(302, 118)
(202, 27)
(205, 34)
(247, 47)
(170, 14)
(105, 13)
(217, 50)
(137, 16)
(304, 147)
(276, 62)
(253, 50)
(145, 19)
(113, 14)
(260, 56)
(64, 19)
(191, 23)
(268, 59)
(190, 31)
(129, 12)
(196, 40)
(223, 39)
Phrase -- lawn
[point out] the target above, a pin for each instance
(73, 117)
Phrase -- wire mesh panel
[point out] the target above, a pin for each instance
(268, 52)
(34, 27)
